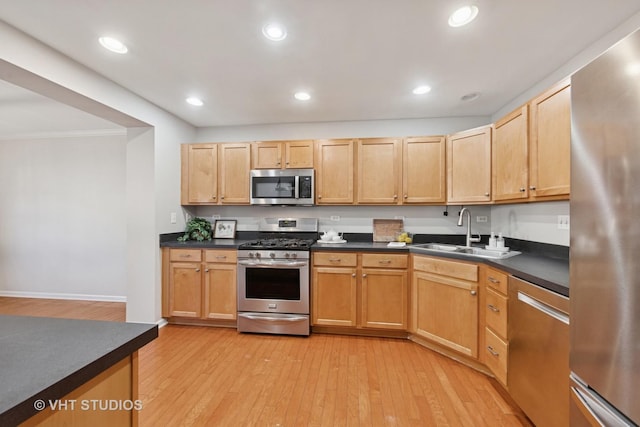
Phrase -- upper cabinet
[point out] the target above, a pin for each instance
(282, 154)
(334, 171)
(509, 156)
(378, 177)
(469, 166)
(199, 177)
(550, 143)
(215, 174)
(423, 170)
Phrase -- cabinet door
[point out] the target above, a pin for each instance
(334, 171)
(334, 296)
(550, 152)
(384, 299)
(220, 291)
(298, 154)
(469, 166)
(199, 183)
(235, 166)
(510, 156)
(379, 162)
(266, 155)
(423, 170)
(445, 311)
(185, 289)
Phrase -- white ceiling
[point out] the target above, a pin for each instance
(359, 59)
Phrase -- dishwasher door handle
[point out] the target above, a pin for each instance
(545, 308)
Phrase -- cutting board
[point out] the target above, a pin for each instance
(385, 230)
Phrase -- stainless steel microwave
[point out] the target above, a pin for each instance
(282, 187)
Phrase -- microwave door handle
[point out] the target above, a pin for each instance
(296, 184)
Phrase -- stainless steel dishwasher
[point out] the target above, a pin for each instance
(538, 329)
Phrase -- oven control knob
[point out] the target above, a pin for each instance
(286, 255)
(251, 255)
(294, 255)
(272, 255)
(258, 255)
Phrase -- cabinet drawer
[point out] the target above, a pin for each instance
(185, 255)
(458, 270)
(496, 312)
(385, 260)
(496, 280)
(496, 355)
(221, 256)
(335, 259)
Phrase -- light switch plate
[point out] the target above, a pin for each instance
(564, 222)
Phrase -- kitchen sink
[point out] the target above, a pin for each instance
(463, 250)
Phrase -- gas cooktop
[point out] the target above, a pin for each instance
(278, 243)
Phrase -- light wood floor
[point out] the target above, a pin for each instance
(199, 376)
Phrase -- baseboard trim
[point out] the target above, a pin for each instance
(162, 323)
(82, 297)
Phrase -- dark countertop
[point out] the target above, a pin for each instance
(46, 358)
(541, 264)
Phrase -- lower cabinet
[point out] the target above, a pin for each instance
(445, 303)
(496, 345)
(360, 290)
(199, 284)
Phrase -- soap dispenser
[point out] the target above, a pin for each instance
(492, 240)
(500, 241)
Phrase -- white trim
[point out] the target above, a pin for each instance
(83, 297)
(65, 134)
(162, 323)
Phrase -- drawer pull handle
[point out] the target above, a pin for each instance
(384, 261)
(492, 280)
(221, 257)
(492, 351)
(493, 308)
(335, 259)
(185, 256)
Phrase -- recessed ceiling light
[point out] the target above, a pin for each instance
(470, 97)
(302, 96)
(463, 16)
(274, 32)
(421, 90)
(195, 101)
(114, 45)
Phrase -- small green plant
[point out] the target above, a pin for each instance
(197, 229)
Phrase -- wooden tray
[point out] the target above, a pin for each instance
(385, 230)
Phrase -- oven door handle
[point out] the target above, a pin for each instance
(268, 264)
(272, 318)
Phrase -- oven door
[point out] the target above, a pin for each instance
(273, 286)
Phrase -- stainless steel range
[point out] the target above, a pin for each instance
(273, 277)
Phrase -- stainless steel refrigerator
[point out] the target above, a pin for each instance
(605, 238)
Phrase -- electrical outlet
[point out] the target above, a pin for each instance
(335, 217)
(563, 222)
(481, 218)
(187, 216)
(216, 216)
(173, 217)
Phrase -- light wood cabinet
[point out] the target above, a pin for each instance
(360, 290)
(215, 174)
(469, 166)
(282, 154)
(510, 156)
(378, 174)
(445, 303)
(334, 171)
(199, 177)
(199, 284)
(550, 143)
(234, 167)
(496, 345)
(424, 170)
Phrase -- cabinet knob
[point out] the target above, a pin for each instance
(319, 196)
(406, 197)
(206, 270)
(533, 187)
(395, 196)
(353, 275)
(287, 163)
(222, 197)
(487, 194)
(364, 275)
(197, 270)
(474, 293)
(522, 189)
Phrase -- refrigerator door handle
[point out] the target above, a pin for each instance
(595, 412)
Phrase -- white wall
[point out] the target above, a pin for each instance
(537, 222)
(62, 216)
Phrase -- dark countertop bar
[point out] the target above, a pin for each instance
(47, 358)
(541, 264)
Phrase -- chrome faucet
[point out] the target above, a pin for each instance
(469, 238)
